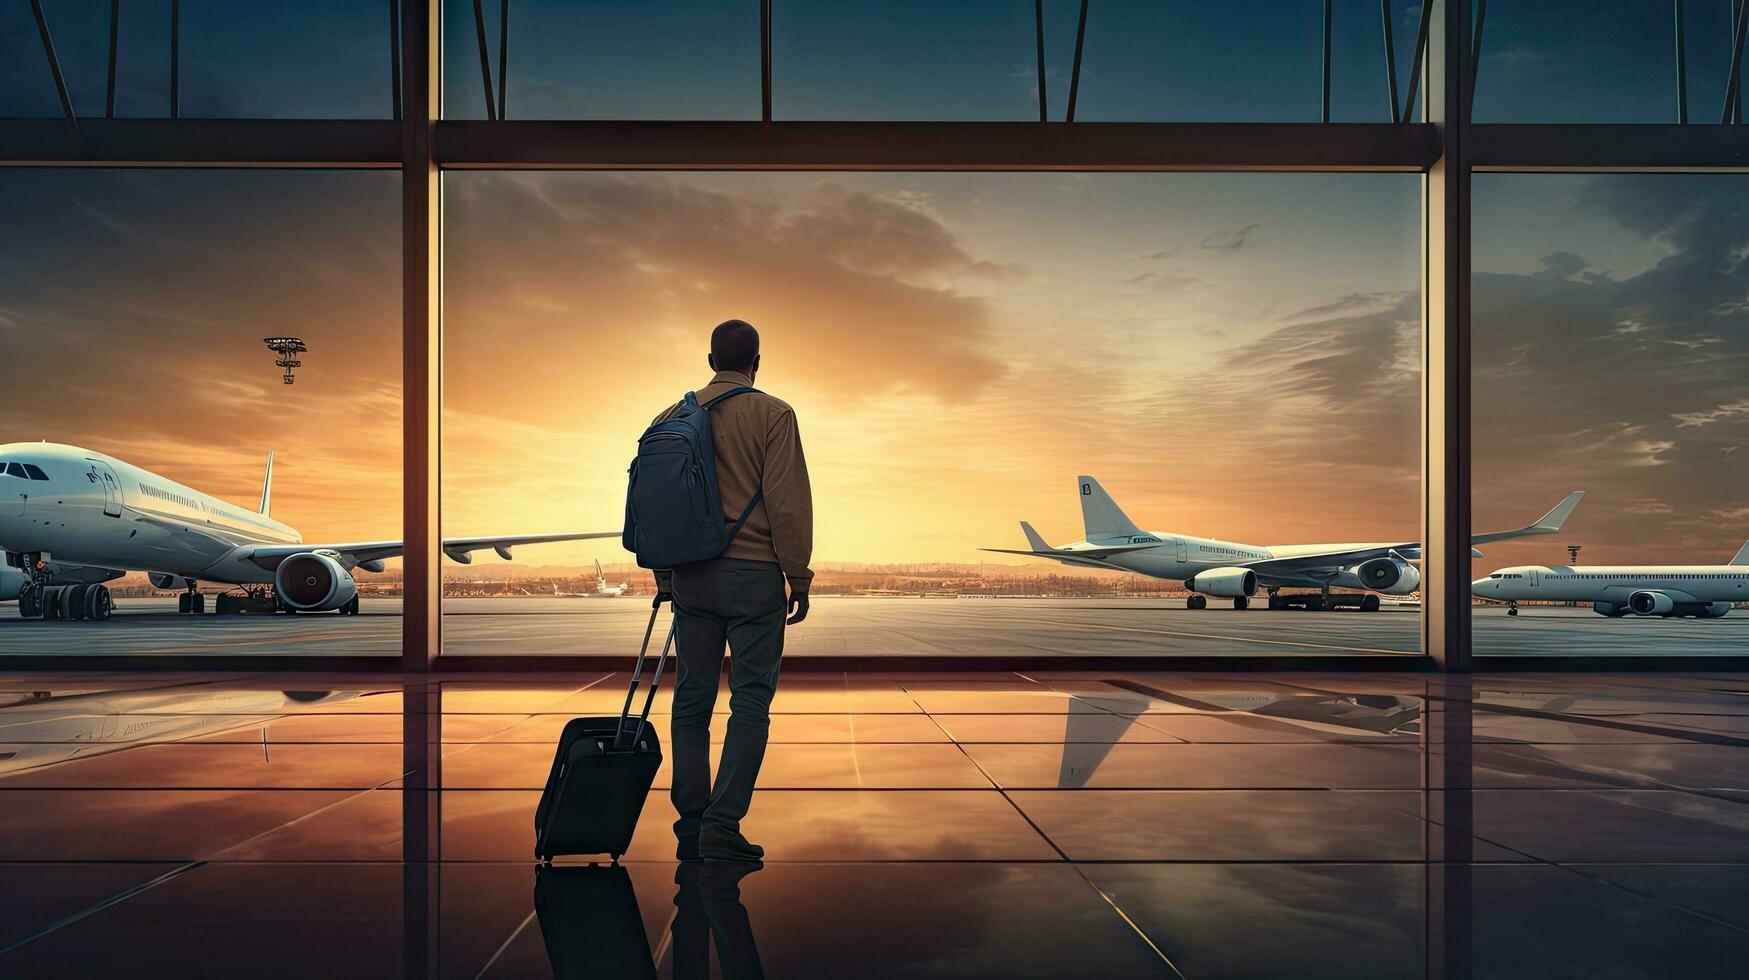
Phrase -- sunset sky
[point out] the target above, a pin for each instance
(1230, 354)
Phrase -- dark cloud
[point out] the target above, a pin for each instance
(1561, 265)
(1229, 241)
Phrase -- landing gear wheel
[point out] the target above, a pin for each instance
(1275, 602)
(1315, 603)
(98, 604)
(52, 601)
(182, 604)
(30, 603)
(1196, 602)
(197, 604)
(1241, 602)
(1369, 603)
(73, 606)
(1511, 610)
(351, 607)
(222, 604)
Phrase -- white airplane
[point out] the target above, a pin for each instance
(602, 589)
(1231, 570)
(72, 519)
(1702, 591)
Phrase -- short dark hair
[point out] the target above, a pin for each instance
(734, 345)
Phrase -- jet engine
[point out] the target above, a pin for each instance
(1649, 603)
(168, 582)
(1228, 583)
(1392, 576)
(314, 581)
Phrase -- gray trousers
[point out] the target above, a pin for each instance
(742, 603)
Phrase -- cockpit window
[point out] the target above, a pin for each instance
(17, 469)
(35, 471)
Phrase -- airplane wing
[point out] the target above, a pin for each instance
(365, 552)
(1409, 550)
(1083, 558)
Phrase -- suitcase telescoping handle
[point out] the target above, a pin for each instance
(620, 731)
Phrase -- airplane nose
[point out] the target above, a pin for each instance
(1479, 584)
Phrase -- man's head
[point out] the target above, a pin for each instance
(735, 347)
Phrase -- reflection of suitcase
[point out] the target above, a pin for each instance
(601, 774)
(590, 921)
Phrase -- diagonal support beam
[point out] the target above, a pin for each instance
(1075, 73)
(1390, 56)
(42, 27)
(1420, 57)
(485, 60)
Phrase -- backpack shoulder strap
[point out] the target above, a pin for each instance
(725, 396)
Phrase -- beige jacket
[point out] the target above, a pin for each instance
(757, 445)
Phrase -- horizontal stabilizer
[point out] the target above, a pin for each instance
(1034, 538)
(1742, 555)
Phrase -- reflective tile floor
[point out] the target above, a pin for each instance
(986, 824)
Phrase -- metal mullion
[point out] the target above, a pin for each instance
(421, 336)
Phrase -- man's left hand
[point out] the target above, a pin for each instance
(798, 608)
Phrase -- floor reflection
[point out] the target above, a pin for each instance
(966, 825)
(42, 728)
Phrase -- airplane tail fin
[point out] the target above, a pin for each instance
(1033, 538)
(1100, 514)
(1742, 555)
(267, 485)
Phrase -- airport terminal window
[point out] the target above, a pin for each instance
(173, 277)
(958, 348)
(315, 59)
(1608, 348)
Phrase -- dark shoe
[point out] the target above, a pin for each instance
(727, 845)
(687, 848)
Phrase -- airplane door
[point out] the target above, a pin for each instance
(1536, 578)
(111, 488)
(1181, 555)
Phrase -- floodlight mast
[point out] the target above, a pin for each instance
(285, 347)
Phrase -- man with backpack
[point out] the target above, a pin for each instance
(724, 558)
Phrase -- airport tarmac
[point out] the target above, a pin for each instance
(881, 626)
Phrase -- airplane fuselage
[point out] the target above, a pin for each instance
(1691, 589)
(1183, 557)
(94, 509)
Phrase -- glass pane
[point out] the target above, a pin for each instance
(1575, 61)
(1234, 358)
(1609, 351)
(911, 59)
(607, 59)
(321, 59)
(133, 327)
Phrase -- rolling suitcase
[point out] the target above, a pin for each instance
(602, 771)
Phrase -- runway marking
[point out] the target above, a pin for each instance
(1217, 636)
